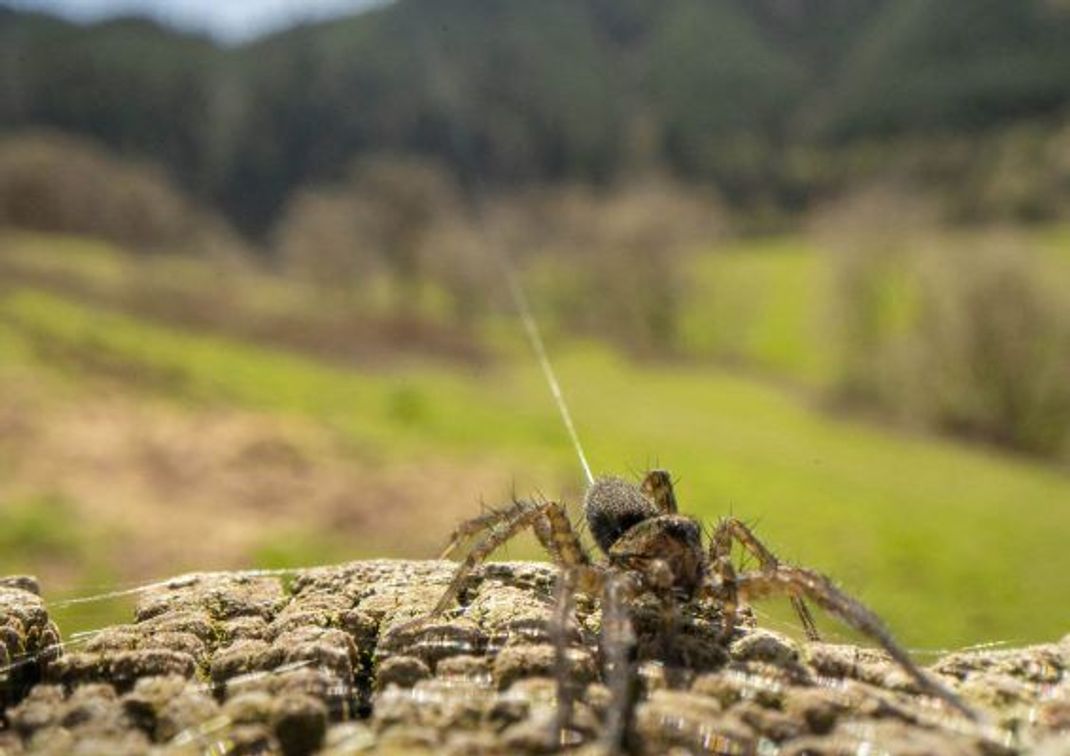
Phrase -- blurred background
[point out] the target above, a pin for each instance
(813, 256)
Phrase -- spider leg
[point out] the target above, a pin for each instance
(587, 579)
(474, 526)
(551, 526)
(657, 485)
(729, 529)
(566, 692)
(797, 581)
(556, 534)
(500, 529)
(619, 649)
(724, 589)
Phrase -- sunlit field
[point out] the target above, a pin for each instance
(949, 540)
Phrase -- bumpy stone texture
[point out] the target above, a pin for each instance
(28, 639)
(327, 660)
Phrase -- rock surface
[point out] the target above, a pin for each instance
(325, 660)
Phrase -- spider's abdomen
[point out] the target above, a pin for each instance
(613, 506)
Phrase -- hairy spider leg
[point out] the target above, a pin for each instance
(556, 534)
(724, 588)
(566, 689)
(820, 589)
(550, 523)
(729, 528)
(619, 651)
(657, 485)
(475, 526)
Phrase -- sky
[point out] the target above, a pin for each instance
(227, 20)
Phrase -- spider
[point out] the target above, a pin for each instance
(649, 548)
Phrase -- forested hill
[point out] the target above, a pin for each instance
(738, 92)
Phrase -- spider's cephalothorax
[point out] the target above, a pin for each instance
(638, 532)
(650, 548)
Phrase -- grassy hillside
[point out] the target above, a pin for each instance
(759, 304)
(940, 537)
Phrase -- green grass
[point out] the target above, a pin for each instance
(92, 261)
(764, 303)
(946, 541)
(46, 528)
(419, 408)
(759, 303)
(292, 550)
(37, 527)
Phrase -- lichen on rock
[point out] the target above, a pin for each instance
(329, 660)
(29, 640)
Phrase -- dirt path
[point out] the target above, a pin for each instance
(206, 488)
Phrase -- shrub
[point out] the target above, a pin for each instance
(321, 240)
(50, 182)
(995, 339)
(615, 258)
(401, 220)
(969, 337)
(606, 262)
